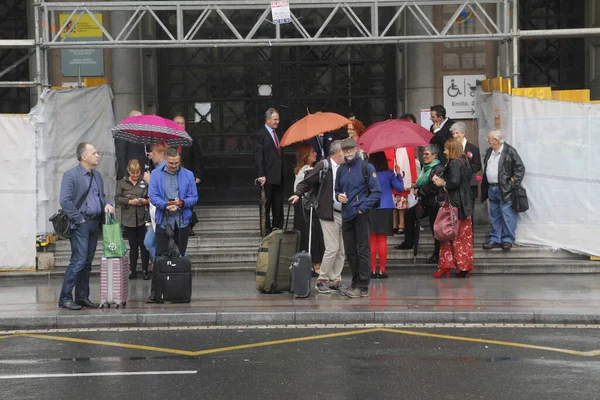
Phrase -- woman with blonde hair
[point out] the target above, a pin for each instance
(305, 159)
(132, 197)
(458, 253)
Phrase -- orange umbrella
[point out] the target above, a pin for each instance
(313, 125)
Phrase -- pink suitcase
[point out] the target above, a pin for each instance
(114, 281)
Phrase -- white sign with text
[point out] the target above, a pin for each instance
(280, 11)
(459, 95)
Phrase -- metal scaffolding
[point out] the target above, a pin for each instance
(185, 30)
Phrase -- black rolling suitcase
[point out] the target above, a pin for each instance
(173, 274)
(173, 279)
(301, 268)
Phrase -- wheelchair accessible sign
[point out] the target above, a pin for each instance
(459, 95)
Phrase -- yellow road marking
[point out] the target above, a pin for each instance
(498, 342)
(113, 344)
(306, 338)
(283, 341)
(201, 352)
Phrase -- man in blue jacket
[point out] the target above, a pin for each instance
(172, 191)
(357, 188)
(85, 214)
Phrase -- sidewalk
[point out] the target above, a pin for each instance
(231, 299)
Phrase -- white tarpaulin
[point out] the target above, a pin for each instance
(17, 193)
(62, 119)
(558, 143)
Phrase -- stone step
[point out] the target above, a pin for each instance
(396, 268)
(249, 254)
(250, 211)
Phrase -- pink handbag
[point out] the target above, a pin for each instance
(445, 227)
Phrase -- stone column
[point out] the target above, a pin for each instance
(126, 73)
(420, 71)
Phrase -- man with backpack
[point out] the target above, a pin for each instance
(357, 188)
(317, 190)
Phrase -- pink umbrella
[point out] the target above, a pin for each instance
(151, 129)
(393, 134)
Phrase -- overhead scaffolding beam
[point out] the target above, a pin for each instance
(181, 22)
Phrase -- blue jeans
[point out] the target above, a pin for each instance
(502, 216)
(150, 242)
(84, 239)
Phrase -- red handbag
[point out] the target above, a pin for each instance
(445, 227)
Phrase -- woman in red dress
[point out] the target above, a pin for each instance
(458, 253)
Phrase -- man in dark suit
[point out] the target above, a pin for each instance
(191, 159)
(269, 167)
(86, 225)
(126, 151)
(441, 129)
(321, 143)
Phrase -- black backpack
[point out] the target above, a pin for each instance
(311, 198)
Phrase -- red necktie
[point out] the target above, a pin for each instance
(276, 142)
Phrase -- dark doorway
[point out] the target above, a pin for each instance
(224, 92)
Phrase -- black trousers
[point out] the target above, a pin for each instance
(274, 194)
(410, 220)
(358, 250)
(135, 237)
(162, 241)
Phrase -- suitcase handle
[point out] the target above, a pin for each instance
(287, 218)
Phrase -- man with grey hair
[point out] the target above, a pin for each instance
(329, 210)
(503, 171)
(82, 198)
(269, 166)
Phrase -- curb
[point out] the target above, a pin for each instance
(102, 320)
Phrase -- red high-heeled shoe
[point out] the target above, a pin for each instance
(463, 274)
(441, 273)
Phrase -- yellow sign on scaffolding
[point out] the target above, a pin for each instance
(86, 27)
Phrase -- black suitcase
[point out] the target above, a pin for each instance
(300, 273)
(173, 279)
(301, 268)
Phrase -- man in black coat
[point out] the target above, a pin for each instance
(126, 151)
(441, 129)
(191, 158)
(321, 143)
(269, 167)
(503, 172)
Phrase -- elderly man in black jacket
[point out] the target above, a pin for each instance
(329, 211)
(503, 171)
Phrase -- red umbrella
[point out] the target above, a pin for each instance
(393, 134)
(151, 129)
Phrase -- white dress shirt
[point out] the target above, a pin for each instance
(441, 125)
(334, 167)
(491, 171)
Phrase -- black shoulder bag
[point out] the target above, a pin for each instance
(61, 221)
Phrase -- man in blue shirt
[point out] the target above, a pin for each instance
(85, 224)
(173, 192)
(358, 194)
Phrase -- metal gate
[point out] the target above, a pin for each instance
(555, 62)
(13, 25)
(224, 92)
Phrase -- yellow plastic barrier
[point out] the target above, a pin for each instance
(535, 92)
(486, 85)
(581, 95)
(89, 82)
(496, 83)
(507, 86)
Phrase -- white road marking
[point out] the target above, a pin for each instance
(38, 376)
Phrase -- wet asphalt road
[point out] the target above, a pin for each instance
(361, 365)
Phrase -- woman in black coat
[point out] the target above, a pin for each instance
(430, 196)
(472, 154)
(457, 253)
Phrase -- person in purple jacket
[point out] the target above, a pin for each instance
(382, 218)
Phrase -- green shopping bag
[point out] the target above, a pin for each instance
(113, 243)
